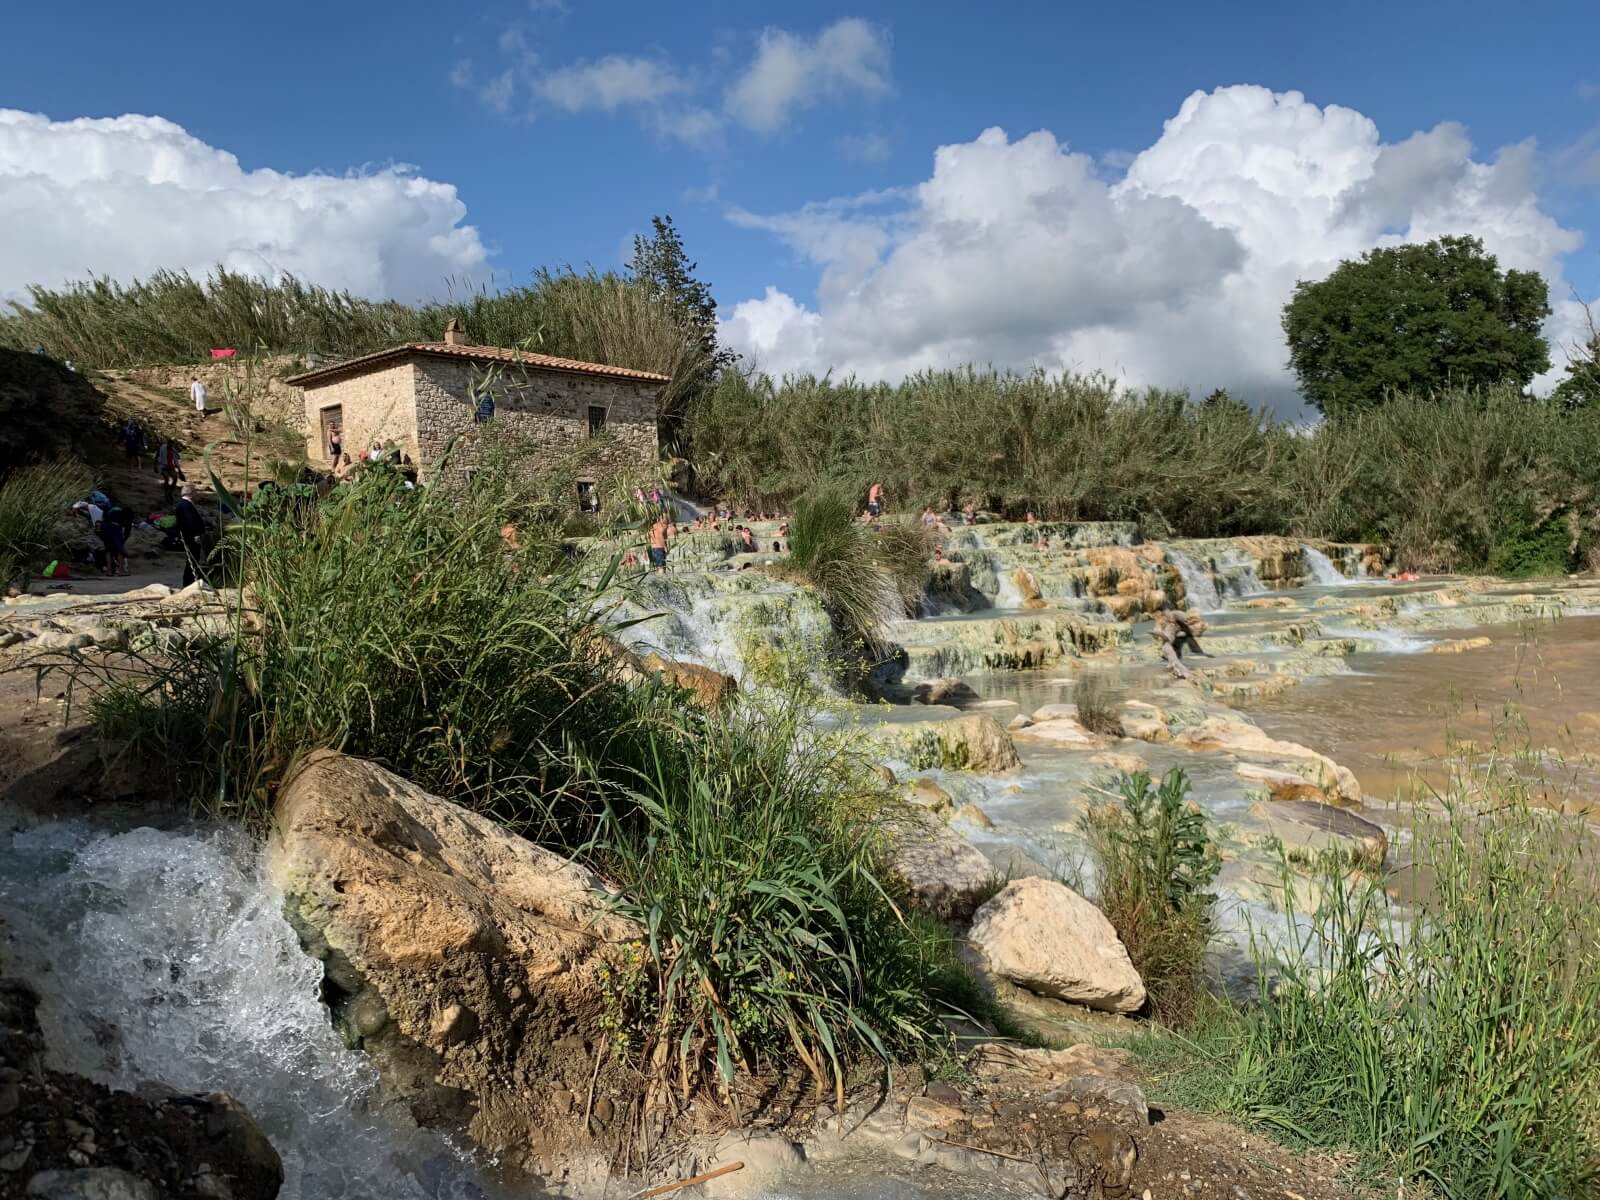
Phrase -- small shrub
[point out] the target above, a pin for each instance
(1154, 865)
(751, 867)
(1097, 703)
(845, 561)
(1525, 548)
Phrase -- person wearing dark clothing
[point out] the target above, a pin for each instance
(192, 532)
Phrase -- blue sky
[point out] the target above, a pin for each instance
(562, 128)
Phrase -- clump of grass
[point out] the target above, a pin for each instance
(1096, 701)
(1154, 865)
(1460, 1046)
(750, 865)
(33, 501)
(402, 626)
(866, 577)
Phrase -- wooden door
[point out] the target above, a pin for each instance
(332, 421)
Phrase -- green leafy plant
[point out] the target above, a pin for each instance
(750, 867)
(1154, 865)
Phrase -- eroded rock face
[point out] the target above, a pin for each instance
(1308, 829)
(465, 960)
(1043, 936)
(65, 1136)
(971, 743)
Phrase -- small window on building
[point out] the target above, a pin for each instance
(485, 409)
(588, 498)
(597, 419)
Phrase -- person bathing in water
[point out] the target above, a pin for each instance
(660, 532)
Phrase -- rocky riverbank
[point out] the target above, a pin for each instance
(482, 979)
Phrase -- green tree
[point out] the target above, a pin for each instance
(660, 263)
(1582, 384)
(1415, 317)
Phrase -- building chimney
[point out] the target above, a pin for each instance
(453, 334)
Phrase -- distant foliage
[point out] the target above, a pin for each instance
(1069, 447)
(172, 317)
(1445, 477)
(1415, 318)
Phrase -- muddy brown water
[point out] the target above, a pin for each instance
(1404, 723)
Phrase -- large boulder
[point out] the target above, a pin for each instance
(1043, 936)
(1309, 829)
(1245, 740)
(469, 963)
(972, 743)
(944, 874)
(710, 687)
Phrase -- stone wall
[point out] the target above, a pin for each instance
(377, 406)
(543, 415)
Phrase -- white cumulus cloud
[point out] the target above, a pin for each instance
(125, 196)
(791, 72)
(1023, 252)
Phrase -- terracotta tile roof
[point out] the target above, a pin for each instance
(483, 354)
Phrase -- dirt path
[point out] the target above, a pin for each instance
(241, 456)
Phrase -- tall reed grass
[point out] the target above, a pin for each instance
(33, 504)
(1454, 480)
(1458, 1044)
(173, 317)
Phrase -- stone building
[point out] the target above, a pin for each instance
(423, 394)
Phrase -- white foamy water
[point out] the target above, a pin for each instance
(1198, 584)
(1007, 594)
(1322, 569)
(165, 956)
(1381, 641)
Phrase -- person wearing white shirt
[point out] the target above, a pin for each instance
(197, 393)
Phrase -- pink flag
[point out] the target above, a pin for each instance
(228, 353)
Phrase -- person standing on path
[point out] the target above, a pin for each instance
(875, 500)
(197, 393)
(659, 533)
(169, 465)
(192, 529)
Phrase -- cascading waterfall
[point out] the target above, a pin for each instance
(1198, 583)
(1007, 594)
(1322, 569)
(1238, 571)
(716, 620)
(166, 956)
